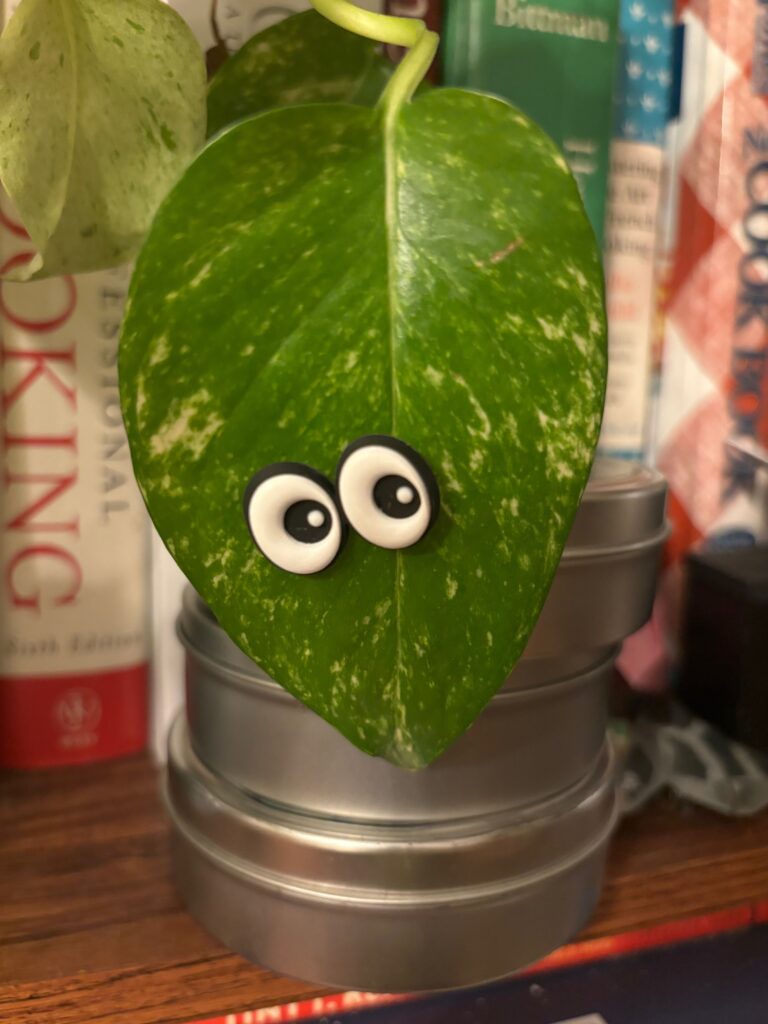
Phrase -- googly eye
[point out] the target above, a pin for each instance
(387, 491)
(293, 517)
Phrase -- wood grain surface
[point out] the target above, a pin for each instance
(91, 929)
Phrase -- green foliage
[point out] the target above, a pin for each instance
(303, 59)
(102, 106)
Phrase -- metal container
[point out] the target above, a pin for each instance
(543, 731)
(399, 908)
(604, 586)
(536, 737)
(304, 854)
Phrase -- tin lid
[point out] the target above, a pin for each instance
(417, 863)
(623, 504)
(198, 627)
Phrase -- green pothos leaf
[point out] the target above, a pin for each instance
(315, 278)
(303, 59)
(102, 106)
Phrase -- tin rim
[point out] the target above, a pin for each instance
(623, 504)
(620, 551)
(385, 864)
(416, 899)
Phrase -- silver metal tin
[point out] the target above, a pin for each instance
(404, 907)
(623, 504)
(604, 586)
(536, 737)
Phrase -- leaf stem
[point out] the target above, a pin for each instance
(408, 32)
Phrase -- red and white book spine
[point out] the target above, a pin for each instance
(73, 544)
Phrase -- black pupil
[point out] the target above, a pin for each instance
(302, 521)
(390, 493)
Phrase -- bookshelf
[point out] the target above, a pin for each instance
(92, 931)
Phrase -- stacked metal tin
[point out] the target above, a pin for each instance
(308, 856)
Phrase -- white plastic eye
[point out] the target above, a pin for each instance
(387, 491)
(293, 517)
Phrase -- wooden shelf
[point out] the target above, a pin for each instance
(91, 929)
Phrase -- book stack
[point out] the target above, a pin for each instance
(680, 208)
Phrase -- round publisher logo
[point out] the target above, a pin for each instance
(79, 710)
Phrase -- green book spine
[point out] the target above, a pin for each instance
(555, 59)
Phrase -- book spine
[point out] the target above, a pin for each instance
(73, 606)
(73, 544)
(715, 372)
(555, 59)
(643, 92)
(714, 381)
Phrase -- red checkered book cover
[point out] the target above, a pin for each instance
(715, 360)
(74, 579)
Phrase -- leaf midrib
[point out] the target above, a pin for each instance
(391, 212)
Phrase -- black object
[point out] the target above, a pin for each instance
(724, 669)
